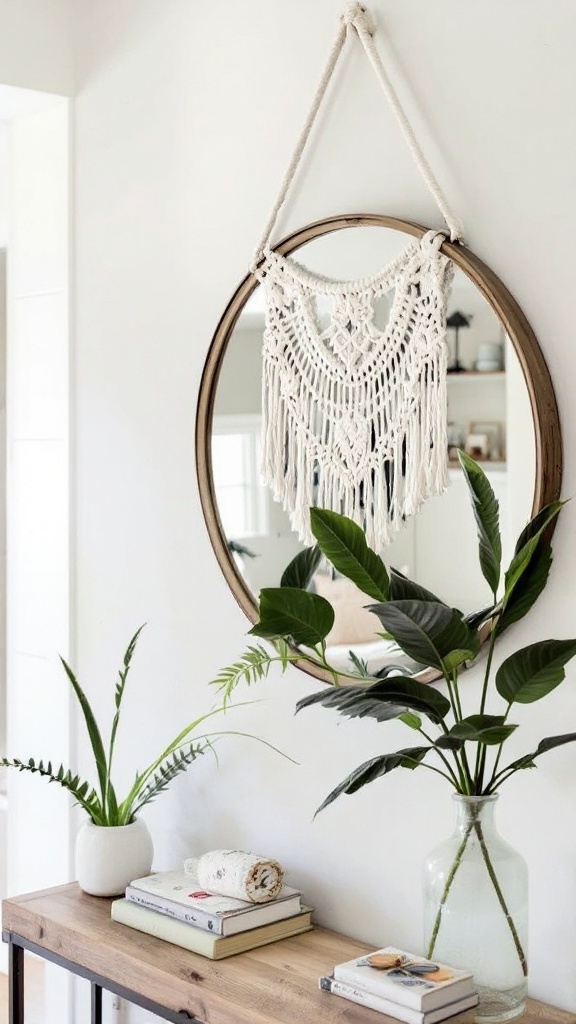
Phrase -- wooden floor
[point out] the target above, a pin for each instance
(34, 971)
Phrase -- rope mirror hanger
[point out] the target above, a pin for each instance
(355, 418)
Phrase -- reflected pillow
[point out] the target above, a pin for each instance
(352, 623)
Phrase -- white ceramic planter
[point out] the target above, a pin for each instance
(109, 857)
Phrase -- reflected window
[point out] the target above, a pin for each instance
(240, 494)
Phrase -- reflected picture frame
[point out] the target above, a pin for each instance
(494, 431)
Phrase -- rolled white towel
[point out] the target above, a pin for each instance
(244, 876)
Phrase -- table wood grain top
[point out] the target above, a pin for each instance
(274, 984)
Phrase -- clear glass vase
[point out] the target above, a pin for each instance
(476, 908)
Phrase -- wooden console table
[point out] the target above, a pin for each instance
(275, 984)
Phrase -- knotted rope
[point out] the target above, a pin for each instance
(357, 19)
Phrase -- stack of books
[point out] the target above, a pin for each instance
(403, 986)
(169, 905)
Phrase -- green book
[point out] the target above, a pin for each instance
(198, 940)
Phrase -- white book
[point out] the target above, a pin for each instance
(178, 895)
(403, 1013)
(416, 991)
(206, 943)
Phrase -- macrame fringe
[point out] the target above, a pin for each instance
(355, 419)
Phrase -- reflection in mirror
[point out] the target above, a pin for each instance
(490, 413)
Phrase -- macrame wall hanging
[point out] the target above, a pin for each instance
(354, 417)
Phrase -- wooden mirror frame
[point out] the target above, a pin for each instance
(548, 442)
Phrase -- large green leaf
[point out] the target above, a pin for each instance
(527, 761)
(538, 522)
(415, 695)
(403, 589)
(353, 702)
(533, 581)
(299, 572)
(532, 672)
(118, 696)
(94, 734)
(287, 612)
(489, 729)
(427, 631)
(388, 698)
(374, 769)
(344, 544)
(485, 508)
(527, 546)
(449, 742)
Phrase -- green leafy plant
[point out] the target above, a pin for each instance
(102, 803)
(466, 750)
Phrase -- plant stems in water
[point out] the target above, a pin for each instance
(447, 887)
(477, 827)
(501, 900)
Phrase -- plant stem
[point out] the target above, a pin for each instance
(469, 781)
(457, 695)
(463, 770)
(443, 758)
(498, 755)
(438, 771)
(481, 752)
(501, 900)
(447, 887)
(452, 697)
(322, 655)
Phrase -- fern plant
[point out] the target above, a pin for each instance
(101, 803)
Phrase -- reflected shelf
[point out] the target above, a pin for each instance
(488, 465)
(477, 375)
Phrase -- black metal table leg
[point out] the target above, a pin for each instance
(15, 984)
(95, 1003)
(98, 983)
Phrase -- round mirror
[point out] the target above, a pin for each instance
(501, 409)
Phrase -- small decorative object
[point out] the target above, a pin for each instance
(455, 322)
(493, 431)
(342, 401)
(468, 748)
(404, 966)
(489, 358)
(478, 446)
(114, 845)
(455, 440)
(244, 876)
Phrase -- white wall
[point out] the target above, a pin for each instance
(37, 488)
(37, 502)
(3, 184)
(185, 120)
(35, 45)
(2, 504)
